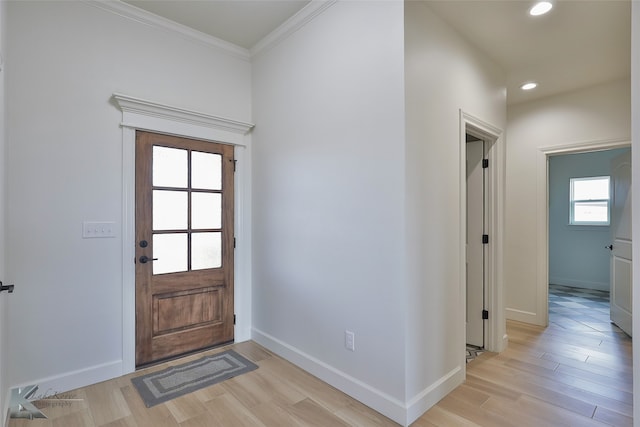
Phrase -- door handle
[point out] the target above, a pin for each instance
(610, 247)
(145, 259)
(8, 288)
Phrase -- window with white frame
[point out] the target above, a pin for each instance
(589, 201)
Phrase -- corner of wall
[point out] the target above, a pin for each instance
(431, 395)
(293, 24)
(402, 413)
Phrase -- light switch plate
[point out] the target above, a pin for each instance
(98, 229)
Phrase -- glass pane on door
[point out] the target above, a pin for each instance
(206, 250)
(169, 167)
(169, 210)
(206, 210)
(171, 253)
(206, 171)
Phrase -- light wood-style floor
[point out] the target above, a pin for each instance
(552, 377)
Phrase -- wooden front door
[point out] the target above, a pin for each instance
(184, 245)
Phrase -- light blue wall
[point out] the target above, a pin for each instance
(577, 254)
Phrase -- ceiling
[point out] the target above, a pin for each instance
(241, 22)
(578, 44)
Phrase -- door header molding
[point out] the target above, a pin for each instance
(479, 128)
(586, 146)
(142, 114)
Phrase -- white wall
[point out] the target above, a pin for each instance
(635, 153)
(599, 113)
(577, 254)
(4, 324)
(444, 74)
(64, 158)
(328, 200)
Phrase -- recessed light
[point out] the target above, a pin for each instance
(540, 8)
(529, 86)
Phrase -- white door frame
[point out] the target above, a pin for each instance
(4, 317)
(496, 329)
(541, 316)
(139, 114)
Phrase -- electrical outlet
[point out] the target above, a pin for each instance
(350, 340)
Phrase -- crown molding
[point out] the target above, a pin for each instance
(291, 25)
(137, 106)
(147, 18)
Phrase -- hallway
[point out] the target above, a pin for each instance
(577, 371)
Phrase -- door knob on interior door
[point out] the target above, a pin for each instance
(610, 247)
(145, 259)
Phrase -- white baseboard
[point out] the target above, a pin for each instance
(432, 394)
(523, 316)
(403, 414)
(601, 286)
(75, 379)
(376, 399)
(499, 345)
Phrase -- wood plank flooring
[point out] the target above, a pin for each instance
(276, 394)
(552, 377)
(565, 375)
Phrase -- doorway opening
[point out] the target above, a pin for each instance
(585, 201)
(483, 300)
(545, 154)
(476, 239)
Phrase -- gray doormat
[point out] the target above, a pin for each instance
(161, 386)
